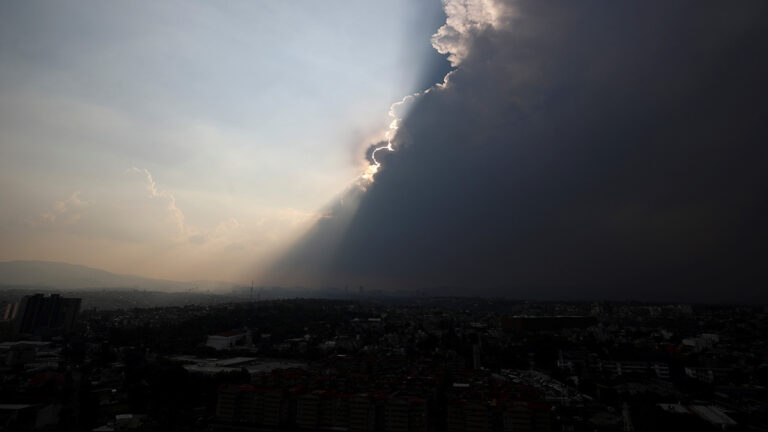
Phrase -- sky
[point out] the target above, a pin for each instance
(192, 140)
(579, 150)
(545, 150)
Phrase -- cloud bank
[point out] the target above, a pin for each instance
(578, 150)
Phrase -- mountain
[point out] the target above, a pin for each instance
(67, 276)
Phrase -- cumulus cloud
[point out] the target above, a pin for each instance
(225, 232)
(465, 19)
(582, 150)
(396, 112)
(65, 212)
(176, 216)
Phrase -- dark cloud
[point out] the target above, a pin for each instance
(580, 150)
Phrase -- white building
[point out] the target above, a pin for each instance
(228, 340)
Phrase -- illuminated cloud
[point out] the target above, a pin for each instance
(464, 19)
(176, 216)
(66, 212)
(396, 112)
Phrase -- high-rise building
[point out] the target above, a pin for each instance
(46, 315)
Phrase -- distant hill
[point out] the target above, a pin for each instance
(68, 276)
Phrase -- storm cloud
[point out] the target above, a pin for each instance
(578, 150)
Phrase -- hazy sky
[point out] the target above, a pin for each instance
(190, 139)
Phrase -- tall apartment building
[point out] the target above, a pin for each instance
(46, 315)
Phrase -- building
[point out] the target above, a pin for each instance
(627, 367)
(405, 413)
(363, 412)
(704, 341)
(20, 353)
(42, 315)
(229, 340)
(708, 374)
(248, 406)
(519, 415)
(468, 415)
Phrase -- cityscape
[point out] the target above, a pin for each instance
(384, 364)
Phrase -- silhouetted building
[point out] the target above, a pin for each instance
(46, 315)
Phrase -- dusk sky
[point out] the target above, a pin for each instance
(539, 149)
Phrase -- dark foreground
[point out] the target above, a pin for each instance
(425, 364)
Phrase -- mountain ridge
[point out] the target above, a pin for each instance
(55, 274)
